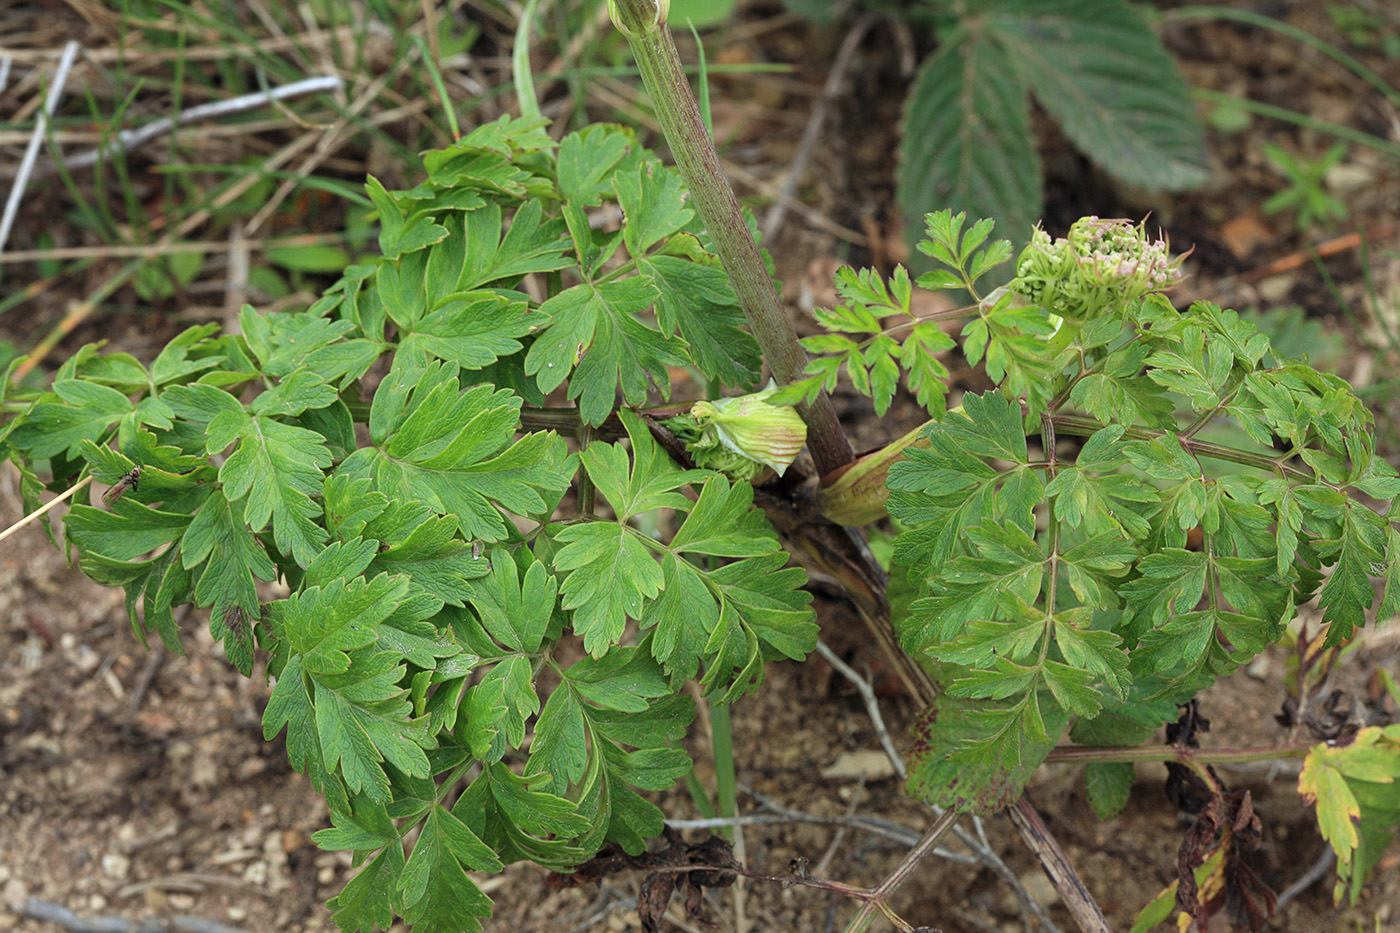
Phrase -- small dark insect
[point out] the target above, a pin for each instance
(233, 618)
(128, 481)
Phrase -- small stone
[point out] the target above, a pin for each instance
(251, 767)
(87, 659)
(1259, 668)
(237, 914)
(325, 875)
(116, 866)
(4, 873)
(291, 841)
(872, 763)
(178, 751)
(14, 894)
(181, 902)
(97, 903)
(255, 873)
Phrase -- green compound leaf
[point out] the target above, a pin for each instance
(227, 559)
(456, 451)
(366, 903)
(594, 334)
(517, 613)
(426, 549)
(611, 576)
(476, 253)
(75, 411)
(278, 468)
(472, 330)
(590, 159)
(966, 140)
(653, 205)
(1348, 593)
(339, 696)
(434, 888)
(650, 480)
(697, 302)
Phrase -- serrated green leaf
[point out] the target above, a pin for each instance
(366, 902)
(653, 205)
(1348, 593)
(696, 301)
(560, 747)
(278, 468)
(590, 158)
(1106, 78)
(76, 411)
(432, 557)
(471, 330)
(456, 451)
(233, 559)
(516, 614)
(594, 333)
(611, 575)
(966, 140)
(482, 255)
(129, 530)
(650, 479)
(1108, 785)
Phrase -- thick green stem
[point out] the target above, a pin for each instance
(714, 200)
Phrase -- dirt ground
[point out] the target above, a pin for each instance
(136, 783)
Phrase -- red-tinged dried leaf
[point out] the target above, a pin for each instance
(1227, 823)
(715, 864)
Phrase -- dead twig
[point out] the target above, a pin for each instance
(1311, 877)
(43, 509)
(47, 912)
(31, 152)
(872, 705)
(127, 140)
(1057, 865)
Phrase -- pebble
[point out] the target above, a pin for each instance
(116, 866)
(14, 894)
(237, 914)
(1259, 668)
(181, 902)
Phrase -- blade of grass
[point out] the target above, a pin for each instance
(1299, 119)
(520, 64)
(444, 99)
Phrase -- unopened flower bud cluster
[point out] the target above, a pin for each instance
(742, 436)
(1100, 265)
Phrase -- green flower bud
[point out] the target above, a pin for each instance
(747, 428)
(630, 29)
(1101, 266)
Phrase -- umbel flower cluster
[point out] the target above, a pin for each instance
(1100, 265)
